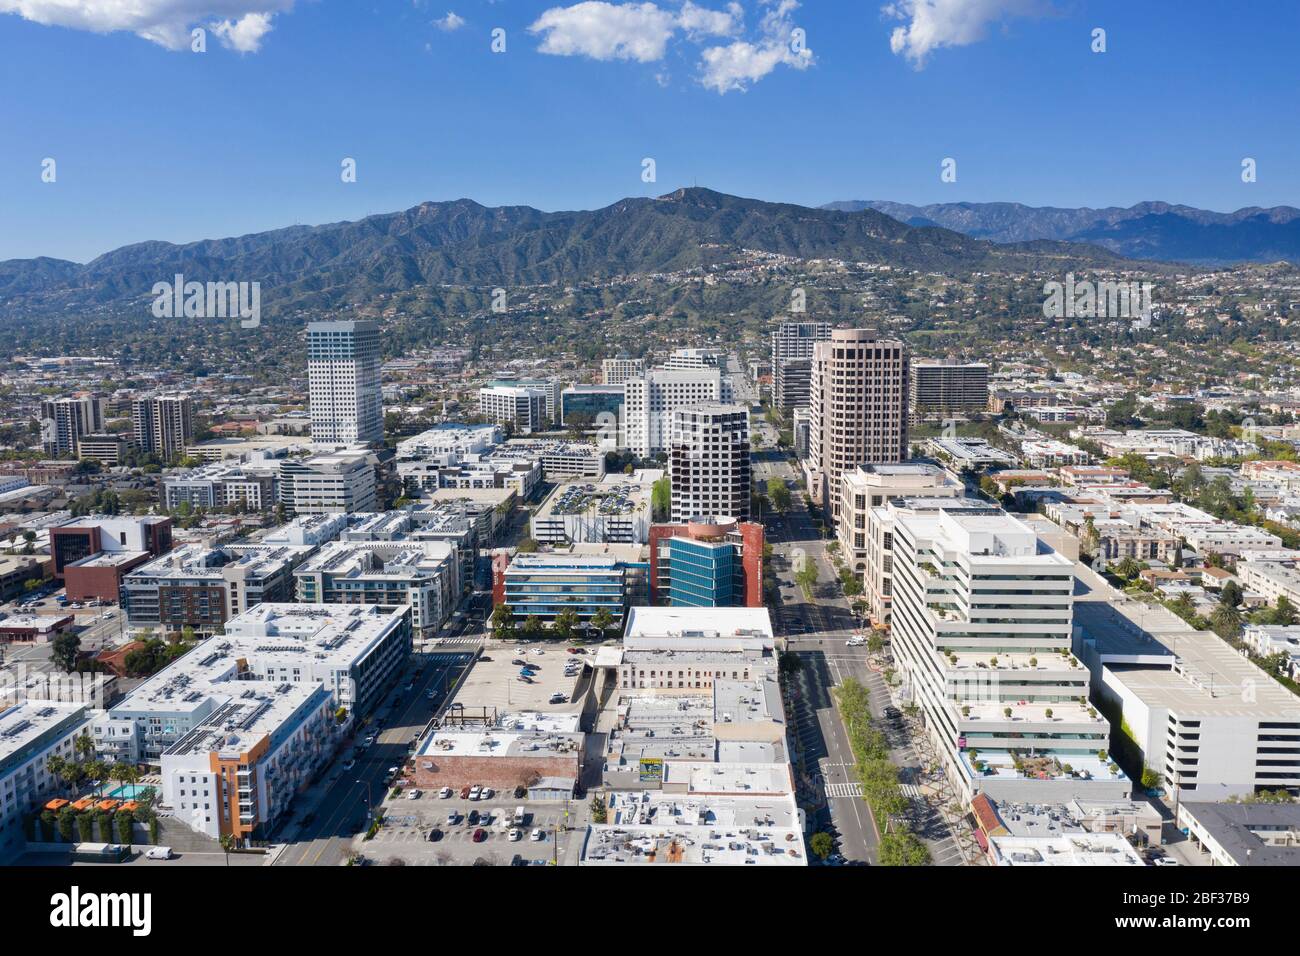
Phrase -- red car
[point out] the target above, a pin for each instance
(480, 835)
(464, 793)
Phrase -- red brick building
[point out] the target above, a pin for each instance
(718, 563)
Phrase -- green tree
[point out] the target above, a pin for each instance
(503, 621)
(64, 650)
(533, 628)
(565, 623)
(661, 498)
(779, 494)
(602, 620)
(822, 845)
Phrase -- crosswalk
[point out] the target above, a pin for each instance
(836, 790)
(911, 791)
(441, 641)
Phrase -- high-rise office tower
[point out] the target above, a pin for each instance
(708, 462)
(65, 420)
(857, 409)
(650, 399)
(163, 425)
(347, 404)
(792, 349)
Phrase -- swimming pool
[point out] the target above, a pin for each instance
(130, 791)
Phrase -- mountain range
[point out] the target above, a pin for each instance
(464, 243)
(1149, 230)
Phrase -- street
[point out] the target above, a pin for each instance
(817, 632)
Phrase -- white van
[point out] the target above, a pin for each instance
(158, 853)
(520, 816)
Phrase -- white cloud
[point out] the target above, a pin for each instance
(933, 24)
(244, 34)
(239, 24)
(701, 21)
(452, 21)
(642, 32)
(739, 64)
(606, 31)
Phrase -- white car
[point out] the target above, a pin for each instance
(486, 793)
(158, 853)
(1165, 861)
(414, 794)
(445, 792)
(537, 834)
(453, 818)
(475, 793)
(515, 835)
(855, 641)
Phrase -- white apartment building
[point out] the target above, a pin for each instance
(355, 652)
(332, 482)
(65, 421)
(858, 409)
(163, 425)
(424, 575)
(253, 484)
(343, 377)
(982, 620)
(870, 486)
(650, 399)
(31, 732)
(708, 462)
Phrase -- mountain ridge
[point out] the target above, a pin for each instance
(461, 242)
(1151, 230)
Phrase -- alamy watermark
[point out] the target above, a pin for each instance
(1088, 299)
(213, 300)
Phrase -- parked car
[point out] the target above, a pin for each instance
(349, 764)
(538, 834)
(558, 698)
(414, 794)
(435, 835)
(515, 835)
(480, 835)
(464, 792)
(474, 792)
(158, 853)
(453, 818)
(486, 793)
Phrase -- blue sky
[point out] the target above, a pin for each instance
(152, 141)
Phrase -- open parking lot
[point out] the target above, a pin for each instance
(408, 824)
(494, 679)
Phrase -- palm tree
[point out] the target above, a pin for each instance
(227, 844)
(124, 773)
(98, 770)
